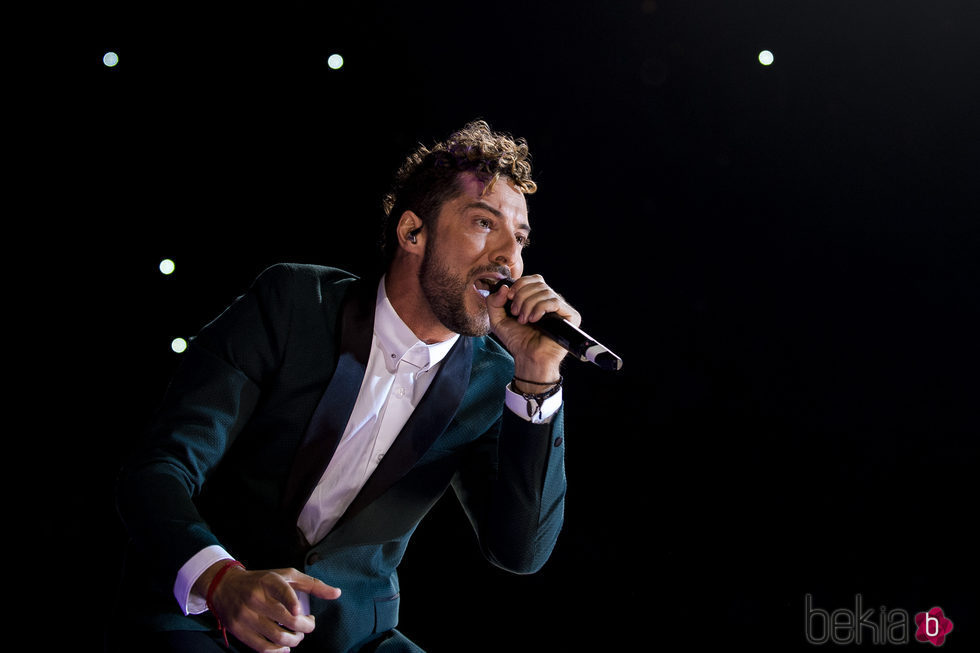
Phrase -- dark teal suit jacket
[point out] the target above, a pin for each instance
(250, 421)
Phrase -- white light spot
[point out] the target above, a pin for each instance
(110, 59)
(167, 266)
(766, 58)
(178, 345)
(335, 61)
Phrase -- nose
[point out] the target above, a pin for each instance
(508, 253)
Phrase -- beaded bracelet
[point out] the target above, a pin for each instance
(535, 402)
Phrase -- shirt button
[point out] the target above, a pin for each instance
(380, 456)
(400, 392)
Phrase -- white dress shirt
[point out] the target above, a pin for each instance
(399, 370)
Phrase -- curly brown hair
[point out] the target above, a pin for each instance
(430, 176)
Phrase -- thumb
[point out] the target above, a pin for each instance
(496, 304)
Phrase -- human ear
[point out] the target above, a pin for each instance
(409, 231)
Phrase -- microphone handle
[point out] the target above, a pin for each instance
(570, 337)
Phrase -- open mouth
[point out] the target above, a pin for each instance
(486, 285)
(483, 286)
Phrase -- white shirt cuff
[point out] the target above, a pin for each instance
(518, 404)
(192, 603)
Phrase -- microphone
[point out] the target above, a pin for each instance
(573, 339)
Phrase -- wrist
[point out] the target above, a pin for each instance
(187, 591)
(530, 386)
(535, 400)
(208, 581)
(535, 379)
(216, 573)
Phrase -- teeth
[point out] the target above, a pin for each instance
(484, 286)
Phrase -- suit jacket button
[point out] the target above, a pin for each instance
(313, 558)
(558, 441)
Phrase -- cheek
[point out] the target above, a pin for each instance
(469, 246)
(517, 270)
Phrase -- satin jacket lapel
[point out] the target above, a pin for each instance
(427, 422)
(332, 413)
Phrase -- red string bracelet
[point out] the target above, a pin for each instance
(214, 583)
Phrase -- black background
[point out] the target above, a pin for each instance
(786, 257)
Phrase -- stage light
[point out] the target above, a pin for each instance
(178, 345)
(335, 61)
(110, 59)
(766, 58)
(167, 266)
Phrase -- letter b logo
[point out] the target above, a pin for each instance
(933, 626)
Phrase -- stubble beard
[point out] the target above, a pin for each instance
(447, 294)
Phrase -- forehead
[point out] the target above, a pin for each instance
(502, 197)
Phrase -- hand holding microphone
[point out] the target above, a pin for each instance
(567, 335)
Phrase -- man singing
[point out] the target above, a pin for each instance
(313, 424)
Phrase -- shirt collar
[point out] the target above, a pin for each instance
(397, 340)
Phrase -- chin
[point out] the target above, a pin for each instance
(484, 330)
(475, 327)
(476, 323)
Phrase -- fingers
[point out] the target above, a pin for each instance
(531, 298)
(266, 635)
(265, 617)
(536, 355)
(533, 305)
(263, 611)
(312, 586)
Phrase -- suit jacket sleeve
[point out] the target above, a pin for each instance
(214, 392)
(512, 487)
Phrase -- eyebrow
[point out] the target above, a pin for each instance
(479, 204)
